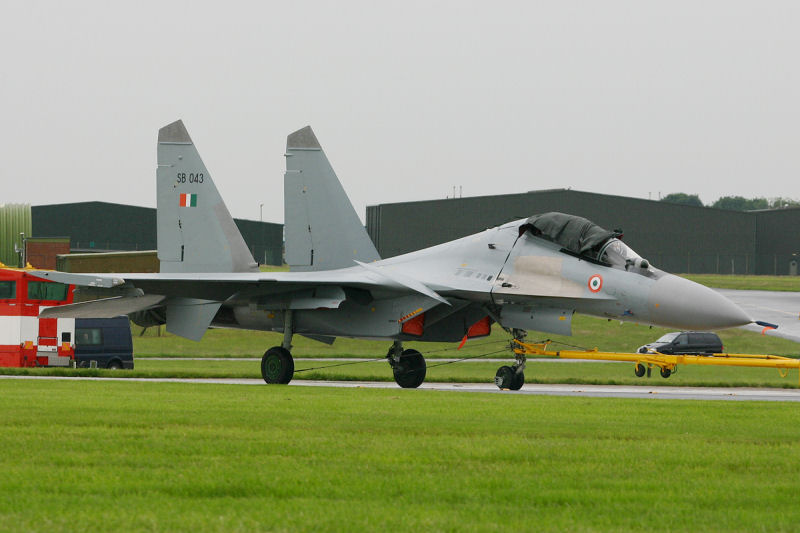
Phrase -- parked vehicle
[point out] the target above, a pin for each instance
(104, 340)
(685, 343)
(25, 339)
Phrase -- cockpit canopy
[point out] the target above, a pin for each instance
(585, 238)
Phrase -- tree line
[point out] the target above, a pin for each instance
(734, 203)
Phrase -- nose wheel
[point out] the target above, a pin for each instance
(513, 377)
(509, 377)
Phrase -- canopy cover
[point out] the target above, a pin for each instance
(574, 233)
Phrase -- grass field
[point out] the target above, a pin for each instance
(750, 283)
(144, 456)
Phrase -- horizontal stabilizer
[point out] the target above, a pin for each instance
(105, 308)
(190, 317)
(84, 280)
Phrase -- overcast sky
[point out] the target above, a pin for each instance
(408, 99)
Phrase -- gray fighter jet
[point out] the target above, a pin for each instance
(530, 274)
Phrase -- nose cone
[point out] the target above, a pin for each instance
(679, 303)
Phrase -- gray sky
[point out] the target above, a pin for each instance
(407, 98)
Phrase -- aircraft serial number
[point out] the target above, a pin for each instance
(191, 177)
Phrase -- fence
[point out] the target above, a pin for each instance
(713, 263)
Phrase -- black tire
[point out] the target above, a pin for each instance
(410, 371)
(114, 365)
(504, 378)
(665, 373)
(518, 381)
(639, 370)
(277, 366)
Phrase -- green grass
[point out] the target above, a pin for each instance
(758, 283)
(90, 456)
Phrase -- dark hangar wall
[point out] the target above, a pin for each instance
(673, 237)
(777, 240)
(102, 227)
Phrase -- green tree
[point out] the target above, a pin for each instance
(739, 203)
(683, 199)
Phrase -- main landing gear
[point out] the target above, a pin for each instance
(512, 377)
(277, 365)
(408, 366)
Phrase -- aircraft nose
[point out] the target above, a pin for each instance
(679, 303)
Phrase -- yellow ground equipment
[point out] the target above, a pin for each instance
(644, 362)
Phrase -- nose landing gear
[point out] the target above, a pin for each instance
(513, 377)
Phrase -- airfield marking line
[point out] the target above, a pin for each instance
(363, 359)
(598, 391)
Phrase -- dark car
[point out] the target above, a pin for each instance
(685, 342)
(104, 340)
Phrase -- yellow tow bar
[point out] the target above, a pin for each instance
(666, 363)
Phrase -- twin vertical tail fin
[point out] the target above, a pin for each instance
(195, 230)
(322, 230)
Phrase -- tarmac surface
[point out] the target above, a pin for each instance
(781, 308)
(596, 391)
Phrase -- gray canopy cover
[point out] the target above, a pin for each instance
(574, 233)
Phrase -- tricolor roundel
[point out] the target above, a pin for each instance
(596, 283)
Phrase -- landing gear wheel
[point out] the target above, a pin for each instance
(277, 366)
(410, 371)
(518, 381)
(504, 379)
(639, 370)
(665, 373)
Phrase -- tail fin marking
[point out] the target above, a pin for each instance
(195, 230)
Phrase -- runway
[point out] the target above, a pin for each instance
(781, 308)
(593, 391)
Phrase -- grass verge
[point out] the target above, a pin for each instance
(143, 456)
(747, 283)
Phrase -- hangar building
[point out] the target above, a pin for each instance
(676, 238)
(107, 227)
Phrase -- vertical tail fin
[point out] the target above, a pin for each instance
(195, 230)
(323, 231)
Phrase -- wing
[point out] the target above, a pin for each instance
(191, 300)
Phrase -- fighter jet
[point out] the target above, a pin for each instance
(529, 274)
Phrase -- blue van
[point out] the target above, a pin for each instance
(105, 340)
